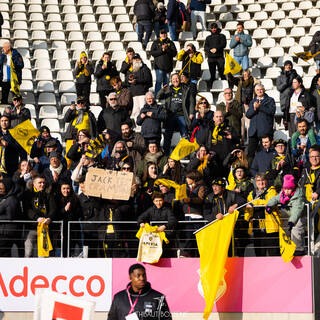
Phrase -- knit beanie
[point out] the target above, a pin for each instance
(288, 182)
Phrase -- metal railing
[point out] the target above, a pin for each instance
(123, 240)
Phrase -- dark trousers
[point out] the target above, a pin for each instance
(103, 99)
(144, 26)
(292, 127)
(213, 65)
(5, 92)
(83, 90)
(252, 147)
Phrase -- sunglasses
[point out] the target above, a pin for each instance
(112, 99)
(202, 102)
(80, 102)
(126, 168)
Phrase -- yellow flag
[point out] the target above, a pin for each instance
(14, 83)
(180, 190)
(231, 65)
(287, 246)
(213, 244)
(306, 55)
(183, 149)
(25, 134)
(43, 240)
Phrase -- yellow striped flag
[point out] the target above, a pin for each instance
(231, 65)
(25, 134)
(213, 243)
(14, 83)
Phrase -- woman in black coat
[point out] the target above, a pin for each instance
(9, 210)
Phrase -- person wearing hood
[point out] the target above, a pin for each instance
(291, 203)
(79, 117)
(17, 111)
(138, 81)
(56, 172)
(105, 70)
(119, 155)
(9, 210)
(284, 82)
(139, 298)
(83, 72)
(214, 46)
(40, 206)
(150, 118)
(38, 148)
(112, 116)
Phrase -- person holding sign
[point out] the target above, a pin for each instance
(139, 300)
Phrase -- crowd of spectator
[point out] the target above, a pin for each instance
(238, 160)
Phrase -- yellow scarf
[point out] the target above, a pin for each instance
(84, 71)
(2, 160)
(127, 61)
(215, 134)
(203, 165)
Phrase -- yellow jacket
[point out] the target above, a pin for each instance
(270, 224)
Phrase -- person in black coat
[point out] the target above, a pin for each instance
(8, 54)
(163, 50)
(160, 212)
(315, 47)
(140, 293)
(112, 116)
(214, 46)
(126, 65)
(284, 82)
(150, 118)
(69, 209)
(10, 209)
(261, 112)
(39, 205)
(297, 95)
(105, 70)
(1, 23)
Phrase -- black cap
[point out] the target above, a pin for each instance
(81, 99)
(280, 141)
(136, 56)
(288, 62)
(163, 31)
(44, 129)
(51, 143)
(54, 154)
(219, 181)
(17, 97)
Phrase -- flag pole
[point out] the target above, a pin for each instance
(228, 214)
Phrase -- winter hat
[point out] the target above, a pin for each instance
(288, 182)
(288, 62)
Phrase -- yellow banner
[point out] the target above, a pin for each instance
(183, 149)
(25, 134)
(213, 244)
(231, 65)
(306, 55)
(180, 190)
(287, 246)
(43, 240)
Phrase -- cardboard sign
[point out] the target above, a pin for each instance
(108, 184)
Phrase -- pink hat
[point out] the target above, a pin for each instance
(288, 182)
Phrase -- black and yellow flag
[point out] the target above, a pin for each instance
(306, 55)
(14, 83)
(231, 65)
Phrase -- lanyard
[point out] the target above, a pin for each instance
(132, 304)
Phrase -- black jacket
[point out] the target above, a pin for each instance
(143, 79)
(151, 126)
(262, 119)
(212, 207)
(163, 60)
(110, 118)
(1, 23)
(215, 40)
(315, 45)
(188, 101)
(305, 98)
(64, 176)
(39, 152)
(200, 126)
(284, 86)
(151, 305)
(144, 10)
(262, 161)
(162, 214)
(16, 118)
(81, 78)
(17, 62)
(103, 76)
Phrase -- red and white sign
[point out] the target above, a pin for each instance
(89, 279)
(52, 305)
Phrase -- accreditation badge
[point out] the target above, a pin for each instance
(132, 316)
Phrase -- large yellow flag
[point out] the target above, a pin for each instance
(231, 65)
(180, 190)
(25, 134)
(287, 246)
(183, 149)
(213, 244)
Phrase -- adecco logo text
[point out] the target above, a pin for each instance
(83, 285)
